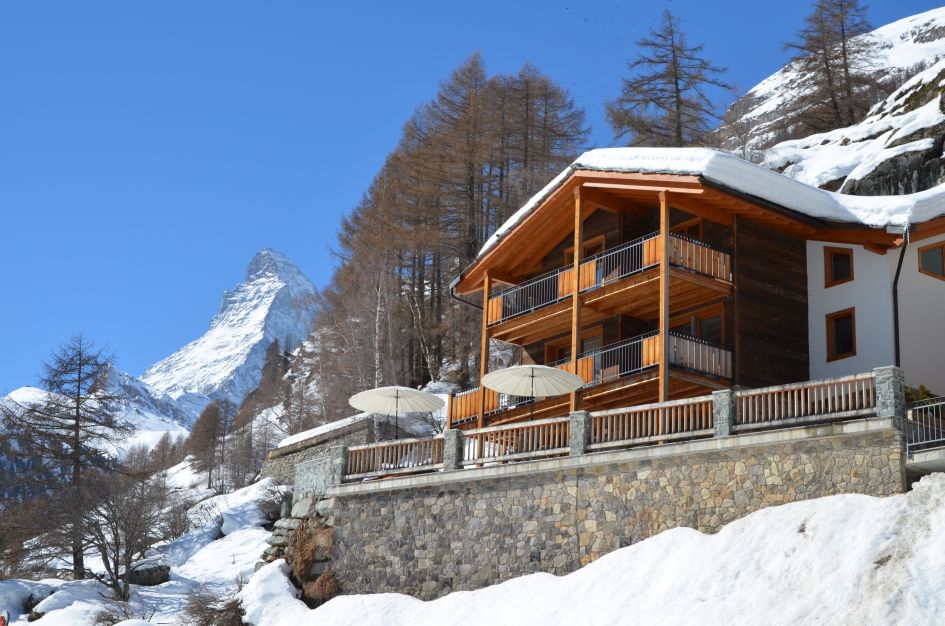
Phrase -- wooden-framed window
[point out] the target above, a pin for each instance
(558, 349)
(691, 229)
(932, 260)
(591, 247)
(706, 324)
(838, 266)
(841, 334)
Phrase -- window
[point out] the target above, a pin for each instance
(705, 324)
(559, 349)
(932, 260)
(841, 334)
(838, 266)
(591, 247)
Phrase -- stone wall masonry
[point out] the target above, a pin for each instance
(432, 534)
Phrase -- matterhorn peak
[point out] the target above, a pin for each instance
(271, 262)
(273, 303)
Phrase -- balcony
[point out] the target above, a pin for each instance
(616, 281)
(606, 268)
(623, 372)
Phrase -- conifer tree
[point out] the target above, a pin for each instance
(835, 51)
(666, 99)
(67, 433)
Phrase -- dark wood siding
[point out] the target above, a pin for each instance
(606, 223)
(771, 345)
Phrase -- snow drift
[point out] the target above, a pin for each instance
(846, 559)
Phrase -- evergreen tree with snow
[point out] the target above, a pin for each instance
(666, 99)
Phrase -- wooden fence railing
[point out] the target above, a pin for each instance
(699, 257)
(700, 356)
(783, 406)
(849, 395)
(615, 428)
(531, 440)
(466, 403)
(404, 456)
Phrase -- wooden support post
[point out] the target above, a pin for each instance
(484, 353)
(576, 288)
(664, 299)
(449, 411)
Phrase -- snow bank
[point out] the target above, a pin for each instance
(416, 424)
(747, 178)
(846, 559)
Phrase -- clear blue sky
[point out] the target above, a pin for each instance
(149, 149)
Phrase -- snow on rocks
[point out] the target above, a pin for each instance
(847, 559)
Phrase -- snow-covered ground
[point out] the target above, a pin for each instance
(223, 548)
(845, 559)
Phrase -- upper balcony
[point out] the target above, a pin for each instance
(616, 281)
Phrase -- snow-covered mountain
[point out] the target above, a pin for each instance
(274, 302)
(896, 149)
(905, 47)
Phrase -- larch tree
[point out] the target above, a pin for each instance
(833, 48)
(666, 99)
(68, 431)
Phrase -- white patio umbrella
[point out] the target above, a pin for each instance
(533, 381)
(394, 401)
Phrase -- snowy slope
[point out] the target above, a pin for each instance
(151, 413)
(902, 134)
(846, 559)
(272, 303)
(904, 46)
(212, 556)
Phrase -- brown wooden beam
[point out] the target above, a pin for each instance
(664, 298)
(576, 287)
(484, 354)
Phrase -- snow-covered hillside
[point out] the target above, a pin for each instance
(903, 46)
(846, 559)
(896, 149)
(274, 302)
(223, 547)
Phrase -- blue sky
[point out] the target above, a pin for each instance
(148, 150)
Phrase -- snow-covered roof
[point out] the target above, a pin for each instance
(749, 179)
(408, 423)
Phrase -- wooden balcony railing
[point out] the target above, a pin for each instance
(530, 440)
(619, 359)
(769, 408)
(651, 422)
(700, 356)
(848, 396)
(403, 456)
(604, 268)
(610, 363)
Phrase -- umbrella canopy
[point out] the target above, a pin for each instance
(533, 381)
(395, 400)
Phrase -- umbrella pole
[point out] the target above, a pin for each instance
(396, 416)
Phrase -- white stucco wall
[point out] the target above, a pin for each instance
(921, 320)
(870, 293)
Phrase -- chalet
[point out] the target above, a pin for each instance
(659, 274)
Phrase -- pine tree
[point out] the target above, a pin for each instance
(665, 101)
(68, 430)
(835, 51)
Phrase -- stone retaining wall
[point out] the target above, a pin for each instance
(432, 534)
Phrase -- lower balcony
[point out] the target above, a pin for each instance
(625, 373)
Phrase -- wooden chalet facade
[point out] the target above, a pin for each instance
(651, 287)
